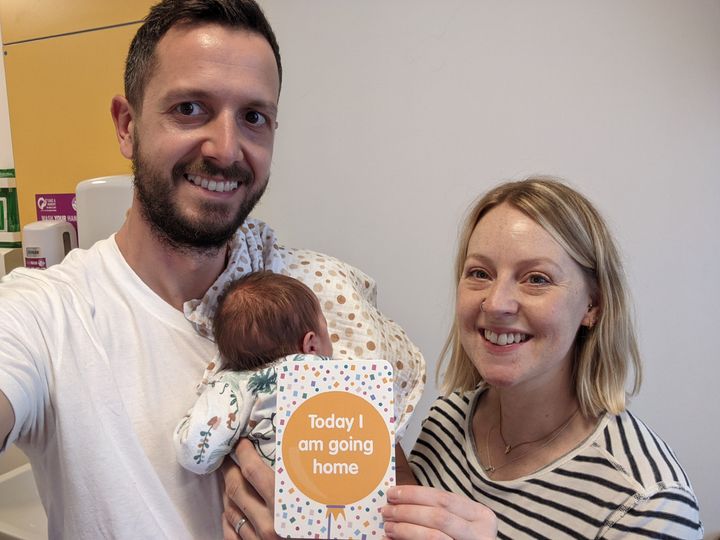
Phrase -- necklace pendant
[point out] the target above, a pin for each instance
(508, 449)
(489, 469)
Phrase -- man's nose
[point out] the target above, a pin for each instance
(223, 142)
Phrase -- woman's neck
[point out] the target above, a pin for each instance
(517, 432)
(527, 417)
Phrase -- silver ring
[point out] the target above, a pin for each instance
(239, 524)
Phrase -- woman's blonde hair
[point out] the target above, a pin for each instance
(604, 353)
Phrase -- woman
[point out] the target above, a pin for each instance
(534, 424)
(533, 438)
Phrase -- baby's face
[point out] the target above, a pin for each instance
(325, 345)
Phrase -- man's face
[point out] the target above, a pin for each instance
(202, 144)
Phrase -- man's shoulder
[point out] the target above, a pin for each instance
(70, 278)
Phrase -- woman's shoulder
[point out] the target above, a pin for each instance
(640, 454)
(456, 405)
(449, 417)
(646, 470)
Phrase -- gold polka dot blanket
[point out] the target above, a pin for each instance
(347, 296)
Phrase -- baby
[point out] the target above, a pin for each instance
(262, 318)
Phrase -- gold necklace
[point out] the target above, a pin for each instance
(490, 468)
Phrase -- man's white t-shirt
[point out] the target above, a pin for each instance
(122, 366)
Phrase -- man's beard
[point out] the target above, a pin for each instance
(209, 232)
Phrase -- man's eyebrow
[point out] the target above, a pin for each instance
(267, 106)
(185, 94)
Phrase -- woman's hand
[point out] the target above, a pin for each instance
(249, 494)
(424, 512)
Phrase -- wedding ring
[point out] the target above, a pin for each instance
(239, 524)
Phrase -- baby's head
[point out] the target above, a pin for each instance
(264, 316)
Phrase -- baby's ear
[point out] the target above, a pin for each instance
(310, 343)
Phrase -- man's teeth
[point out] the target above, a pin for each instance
(504, 339)
(213, 185)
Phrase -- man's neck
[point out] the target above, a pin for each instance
(175, 275)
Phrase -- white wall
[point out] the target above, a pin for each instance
(396, 114)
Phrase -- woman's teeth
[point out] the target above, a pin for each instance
(504, 339)
(213, 185)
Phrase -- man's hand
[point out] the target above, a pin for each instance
(249, 494)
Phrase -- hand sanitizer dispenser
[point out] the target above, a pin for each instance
(101, 207)
(47, 242)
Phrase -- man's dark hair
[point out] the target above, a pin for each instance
(262, 317)
(238, 14)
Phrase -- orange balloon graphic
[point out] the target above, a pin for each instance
(336, 448)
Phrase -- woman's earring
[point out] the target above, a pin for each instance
(591, 322)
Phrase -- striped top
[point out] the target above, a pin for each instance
(622, 481)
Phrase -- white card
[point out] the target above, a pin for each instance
(335, 447)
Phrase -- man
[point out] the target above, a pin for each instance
(97, 358)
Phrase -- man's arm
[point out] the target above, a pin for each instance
(403, 473)
(7, 418)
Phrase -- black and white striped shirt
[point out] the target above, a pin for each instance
(622, 482)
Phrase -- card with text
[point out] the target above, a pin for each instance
(335, 447)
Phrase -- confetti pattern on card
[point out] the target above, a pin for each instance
(335, 454)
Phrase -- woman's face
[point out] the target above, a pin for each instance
(536, 297)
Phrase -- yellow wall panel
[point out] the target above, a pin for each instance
(59, 93)
(31, 19)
